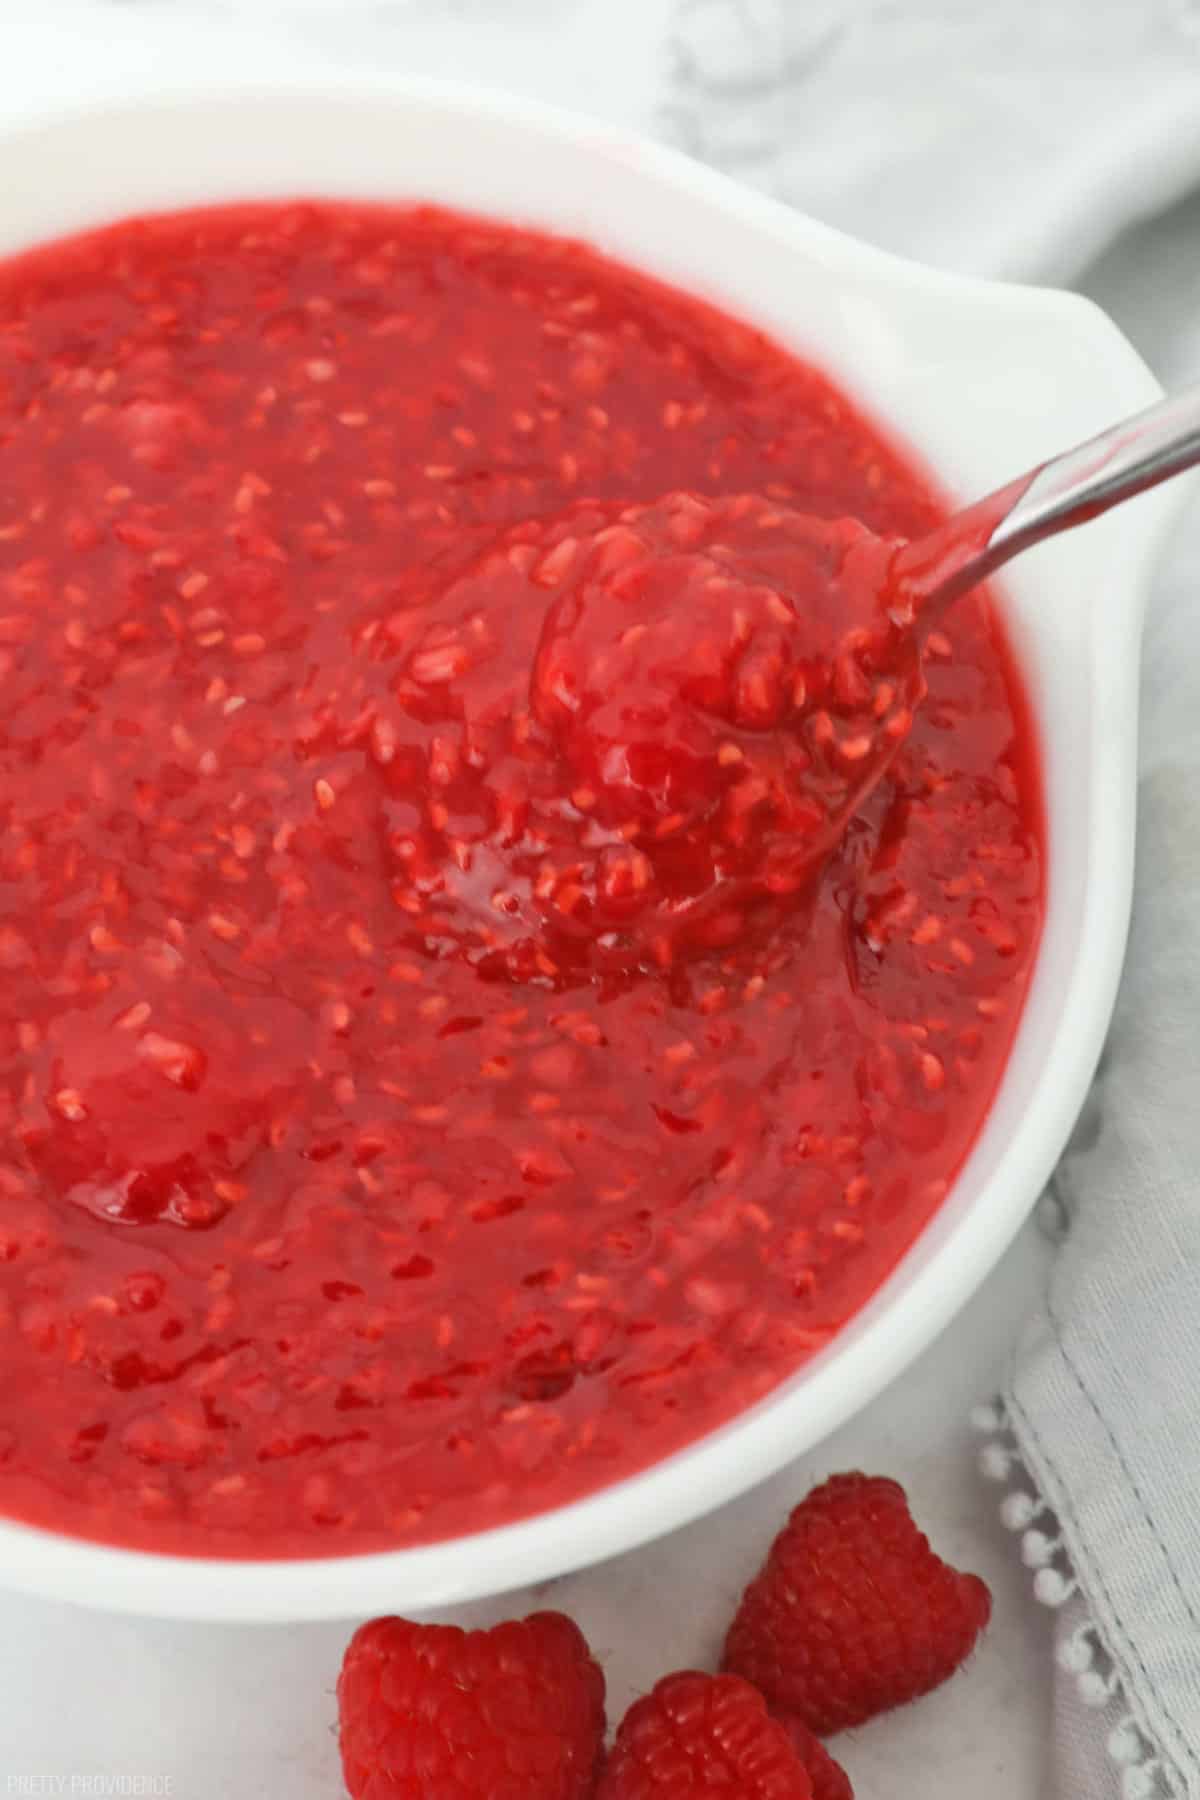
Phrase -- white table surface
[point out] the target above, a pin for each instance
(203, 1711)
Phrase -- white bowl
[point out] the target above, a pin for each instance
(982, 380)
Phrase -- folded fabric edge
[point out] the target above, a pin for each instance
(1026, 1511)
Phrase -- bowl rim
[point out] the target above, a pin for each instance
(760, 1441)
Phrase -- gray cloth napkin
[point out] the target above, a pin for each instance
(1007, 137)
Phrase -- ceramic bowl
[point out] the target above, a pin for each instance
(981, 381)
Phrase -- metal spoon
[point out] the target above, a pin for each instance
(1067, 491)
(833, 620)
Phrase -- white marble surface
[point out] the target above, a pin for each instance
(244, 1713)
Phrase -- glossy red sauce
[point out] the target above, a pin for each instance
(375, 1165)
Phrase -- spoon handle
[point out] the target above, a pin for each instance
(1068, 490)
(1083, 483)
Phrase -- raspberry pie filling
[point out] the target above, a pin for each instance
(436, 1079)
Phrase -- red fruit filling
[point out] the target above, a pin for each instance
(428, 1088)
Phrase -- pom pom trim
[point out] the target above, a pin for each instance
(1084, 1654)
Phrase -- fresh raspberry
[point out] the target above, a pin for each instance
(703, 1737)
(829, 1780)
(853, 1613)
(430, 1712)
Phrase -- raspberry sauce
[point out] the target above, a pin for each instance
(428, 1092)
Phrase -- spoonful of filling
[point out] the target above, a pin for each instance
(715, 687)
(722, 681)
